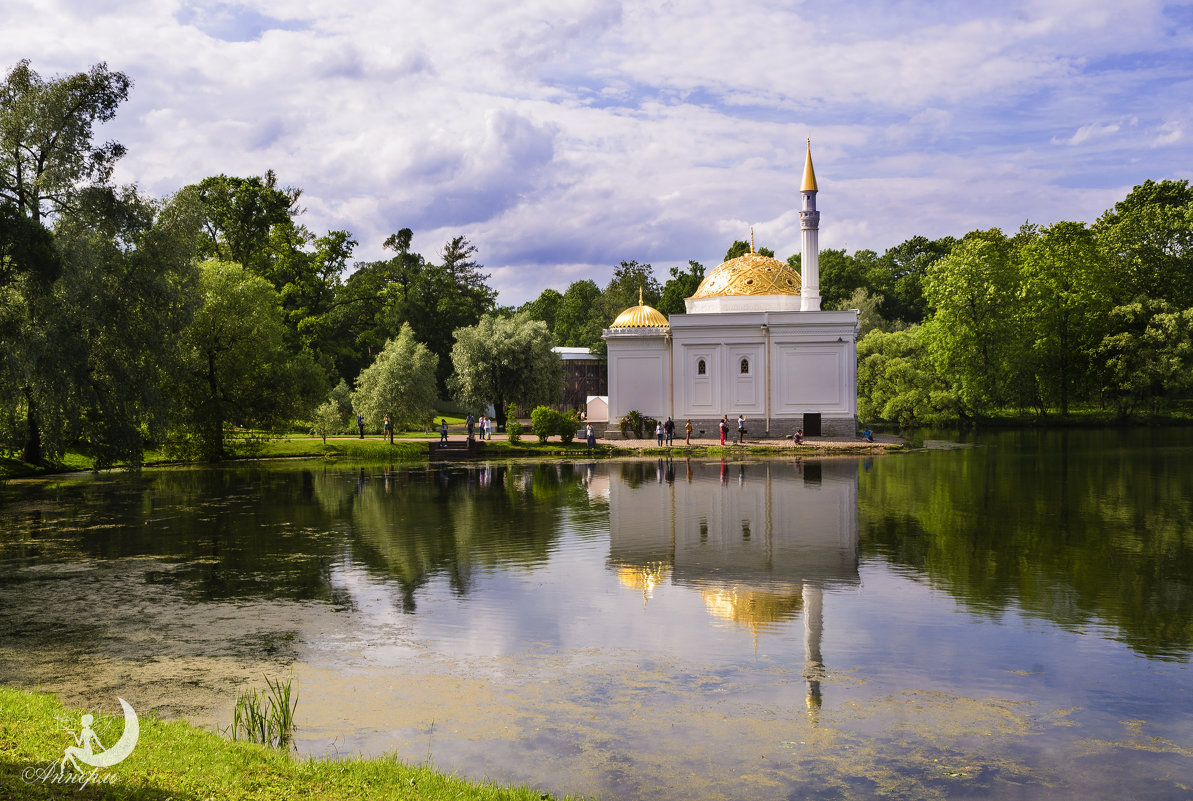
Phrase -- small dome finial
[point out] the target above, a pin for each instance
(640, 302)
(751, 239)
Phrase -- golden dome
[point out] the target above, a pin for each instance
(640, 316)
(751, 274)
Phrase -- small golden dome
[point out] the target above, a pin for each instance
(751, 274)
(640, 316)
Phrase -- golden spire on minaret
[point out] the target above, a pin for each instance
(809, 183)
(751, 239)
(640, 303)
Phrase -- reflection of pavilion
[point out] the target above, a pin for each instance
(760, 542)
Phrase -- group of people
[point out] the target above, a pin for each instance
(483, 424)
(741, 428)
(387, 428)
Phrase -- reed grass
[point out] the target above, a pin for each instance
(266, 716)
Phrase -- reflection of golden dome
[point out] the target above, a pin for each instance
(640, 316)
(643, 577)
(753, 608)
(751, 274)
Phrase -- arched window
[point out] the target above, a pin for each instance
(745, 366)
(701, 369)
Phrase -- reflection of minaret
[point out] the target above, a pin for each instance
(813, 632)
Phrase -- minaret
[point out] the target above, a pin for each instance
(809, 226)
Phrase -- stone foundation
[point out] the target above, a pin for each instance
(780, 428)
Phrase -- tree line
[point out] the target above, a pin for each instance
(1037, 322)
(129, 321)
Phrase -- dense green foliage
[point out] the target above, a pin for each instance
(503, 359)
(546, 422)
(1049, 317)
(400, 384)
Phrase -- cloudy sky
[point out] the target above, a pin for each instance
(563, 136)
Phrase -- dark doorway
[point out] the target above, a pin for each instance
(812, 424)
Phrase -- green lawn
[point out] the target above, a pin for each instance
(175, 760)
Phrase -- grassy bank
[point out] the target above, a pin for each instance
(174, 760)
(374, 449)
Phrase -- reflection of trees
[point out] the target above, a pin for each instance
(274, 531)
(456, 522)
(1070, 526)
(235, 531)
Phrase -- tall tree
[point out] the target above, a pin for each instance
(544, 307)
(399, 383)
(579, 320)
(1149, 238)
(236, 366)
(1066, 296)
(446, 297)
(741, 247)
(32, 387)
(405, 266)
(898, 277)
(841, 275)
(506, 359)
(972, 336)
(622, 291)
(241, 215)
(126, 293)
(46, 131)
(1147, 354)
(682, 284)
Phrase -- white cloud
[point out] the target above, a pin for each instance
(1169, 133)
(1087, 132)
(583, 132)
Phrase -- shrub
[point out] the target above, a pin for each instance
(513, 428)
(569, 422)
(327, 420)
(632, 422)
(545, 421)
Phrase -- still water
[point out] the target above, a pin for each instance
(1012, 618)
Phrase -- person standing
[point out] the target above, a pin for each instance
(658, 432)
(471, 422)
(724, 426)
(387, 430)
(443, 431)
(360, 423)
(590, 435)
(741, 429)
(669, 431)
(687, 433)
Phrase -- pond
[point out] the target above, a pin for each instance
(1010, 616)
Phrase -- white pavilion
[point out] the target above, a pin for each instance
(754, 342)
